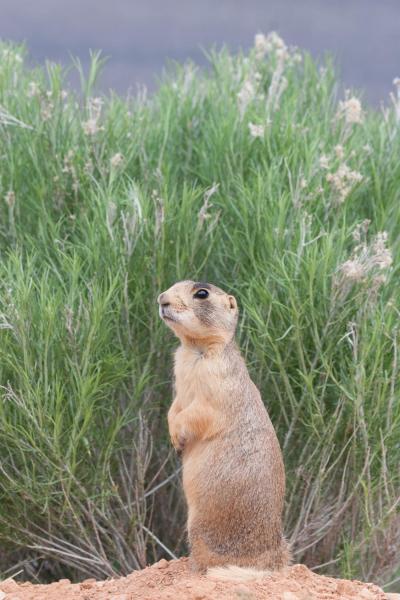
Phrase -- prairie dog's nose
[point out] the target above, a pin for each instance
(162, 299)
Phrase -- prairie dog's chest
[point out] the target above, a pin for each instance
(195, 376)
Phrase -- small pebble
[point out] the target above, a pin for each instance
(86, 585)
(161, 564)
(289, 596)
(243, 592)
(367, 595)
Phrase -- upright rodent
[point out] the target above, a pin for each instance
(233, 473)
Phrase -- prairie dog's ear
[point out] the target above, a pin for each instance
(232, 302)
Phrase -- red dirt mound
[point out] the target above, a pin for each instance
(174, 581)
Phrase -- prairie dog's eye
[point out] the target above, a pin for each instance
(201, 294)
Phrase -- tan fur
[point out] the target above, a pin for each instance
(233, 473)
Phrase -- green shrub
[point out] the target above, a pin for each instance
(252, 175)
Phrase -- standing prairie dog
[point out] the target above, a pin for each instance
(233, 473)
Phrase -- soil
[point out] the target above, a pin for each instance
(174, 581)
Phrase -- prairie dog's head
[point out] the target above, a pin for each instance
(199, 311)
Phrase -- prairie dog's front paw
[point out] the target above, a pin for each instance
(178, 436)
(179, 442)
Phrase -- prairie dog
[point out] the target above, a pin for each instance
(233, 473)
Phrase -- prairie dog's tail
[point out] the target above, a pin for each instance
(236, 574)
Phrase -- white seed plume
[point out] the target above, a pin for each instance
(116, 160)
(10, 198)
(91, 126)
(343, 181)
(246, 95)
(368, 260)
(395, 98)
(351, 110)
(353, 270)
(33, 89)
(256, 131)
(267, 44)
(381, 255)
(339, 151)
(260, 45)
(324, 162)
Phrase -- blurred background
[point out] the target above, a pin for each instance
(138, 37)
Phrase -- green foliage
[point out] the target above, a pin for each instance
(106, 202)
